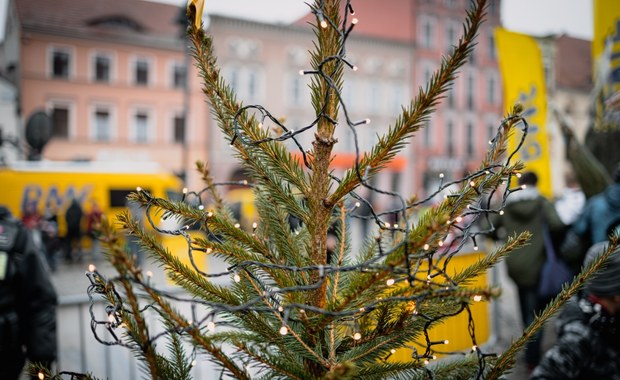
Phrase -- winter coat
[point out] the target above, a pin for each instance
(27, 300)
(600, 213)
(525, 211)
(588, 344)
(73, 216)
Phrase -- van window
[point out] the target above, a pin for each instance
(118, 197)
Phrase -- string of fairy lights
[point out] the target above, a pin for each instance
(431, 279)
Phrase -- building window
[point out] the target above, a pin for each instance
(451, 97)
(428, 134)
(491, 89)
(60, 121)
(470, 140)
(427, 33)
(491, 132)
(141, 127)
(179, 128)
(450, 37)
(491, 47)
(103, 124)
(179, 75)
(450, 138)
(470, 92)
(296, 89)
(252, 85)
(141, 72)
(102, 68)
(374, 96)
(61, 63)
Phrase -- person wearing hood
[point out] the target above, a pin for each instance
(600, 214)
(528, 210)
(588, 327)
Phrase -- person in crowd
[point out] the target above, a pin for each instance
(27, 301)
(133, 242)
(569, 205)
(93, 222)
(49, 233)
(527, 210)
(73, 243)
(600, 214)
(31, 217)
(588, 327)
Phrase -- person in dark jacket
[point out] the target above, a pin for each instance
(527, 210)
(27, 301)
(588, 344)
(73, 217)
(601, 213)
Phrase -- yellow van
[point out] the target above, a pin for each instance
(40, 184)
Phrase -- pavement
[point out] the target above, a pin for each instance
(71, 283)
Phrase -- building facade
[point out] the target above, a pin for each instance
(112, 77)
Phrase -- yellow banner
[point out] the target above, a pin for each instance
(606, 14)
(521, 66)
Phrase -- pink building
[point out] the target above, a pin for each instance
(111, 74)
(455, 139)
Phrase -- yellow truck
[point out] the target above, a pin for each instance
(40, 184)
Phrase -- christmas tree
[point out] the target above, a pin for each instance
(296, 307)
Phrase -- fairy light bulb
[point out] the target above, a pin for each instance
(440, 243)
(149, 274)
(236, 277)
(357, 204)
(357, 336)
(201, 207)
(392, 351)
(390, 282)
(354, 68)
(41, 376)
(301, 72)
(283, 330)
(323, 24)
(209, 250)
(209, 214)
(441, 175)
(501, 212)
(459, 219)
(138, 189)
(92, 268)
(211, 326)
(184, 190)
(426, 247)
(474, 348)
(367, 121)
(476, 247)
(254, 225)
(280, 309)
(518, 175)
(446, 341)
(354, 21)
(477, 298)
(237, 225)
(523, 187)
(194, 363)
(472, 183)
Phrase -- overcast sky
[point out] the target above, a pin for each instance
(535, 17)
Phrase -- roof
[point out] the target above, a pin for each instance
(390, 20)
(132, 21)
(573, 63)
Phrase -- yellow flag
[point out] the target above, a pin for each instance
(606, 14)
(521, 66)
(198, 7)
